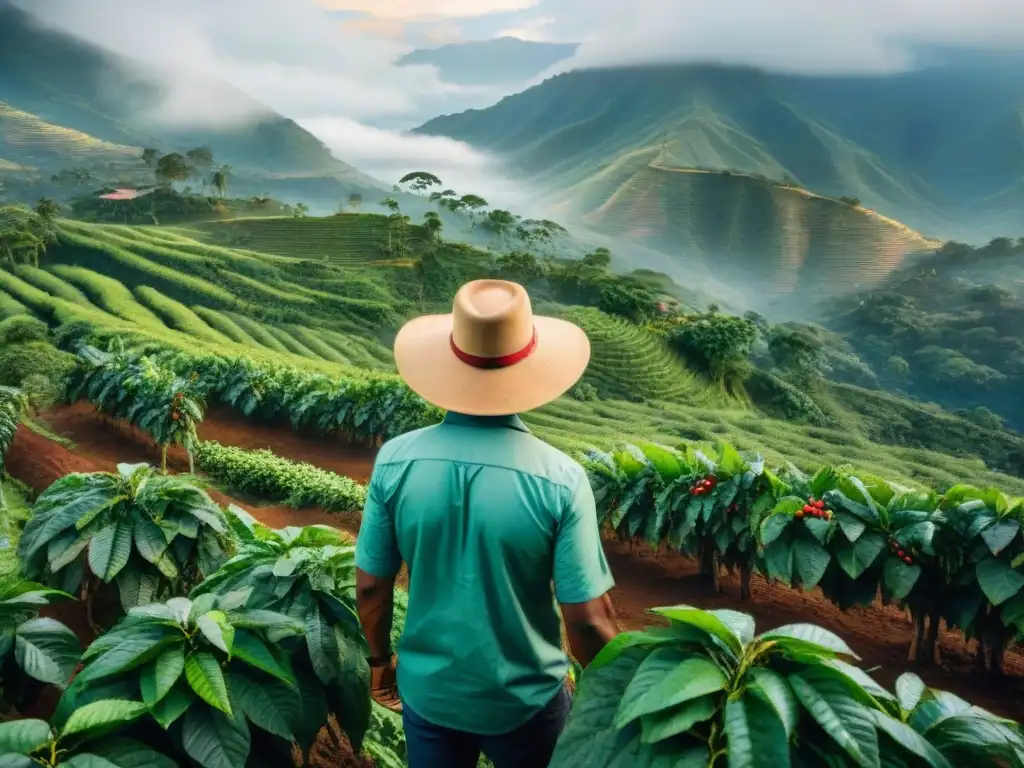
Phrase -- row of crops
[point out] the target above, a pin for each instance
(955, 556)
(236, 643)
(105, 301)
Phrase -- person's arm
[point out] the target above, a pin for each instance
(377, 563)
(582, 576)
(375, 598)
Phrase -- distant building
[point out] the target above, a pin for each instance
(125, 194)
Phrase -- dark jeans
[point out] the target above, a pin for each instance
(528, 746)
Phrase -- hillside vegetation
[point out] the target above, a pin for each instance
(334, 311)
(81, 88)
(754, 232)
(939, 149)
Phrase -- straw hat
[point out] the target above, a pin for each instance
(490, 356)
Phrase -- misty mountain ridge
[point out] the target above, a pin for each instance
(501, 61)
(941, 149)
(66, 82)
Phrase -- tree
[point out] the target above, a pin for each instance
(799, 355)
(200, 160)
(600, 258)
(631, 301)
(499, 223)
(433, 224)
(355, 200)
(149, 157)
(172, 167)
(520, 267)
(418, 181)
(719, 343)
(472, 203)
(47, 209)
(301, 210)
(219, 180)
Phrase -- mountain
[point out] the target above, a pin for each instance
(57, 91)
(502, 61)
(941, 149)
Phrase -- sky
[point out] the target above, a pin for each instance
(328, 64)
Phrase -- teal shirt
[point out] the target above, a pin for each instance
(495, 526)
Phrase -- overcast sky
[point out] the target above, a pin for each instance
(328, 63)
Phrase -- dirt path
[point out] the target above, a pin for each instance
(880, 635)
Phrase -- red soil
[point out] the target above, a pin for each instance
(880, 635)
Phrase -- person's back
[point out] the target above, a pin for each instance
(485, 516)
(496, 528)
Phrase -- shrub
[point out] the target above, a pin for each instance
(296, 483)
(19, 361)
(22, 328)
(41, 391)
(153, 535)
(782, 400)
(68, 335)
(585, 392)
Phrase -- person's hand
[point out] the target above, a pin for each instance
(384, 684)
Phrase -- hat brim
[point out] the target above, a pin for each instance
(426, 362)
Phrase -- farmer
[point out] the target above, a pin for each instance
(487, 518)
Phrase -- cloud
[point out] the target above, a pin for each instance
(291, 55)
(388, 156)
(792, 35)
(536, 30)
(429, 9)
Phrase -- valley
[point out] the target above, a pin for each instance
(800, 421)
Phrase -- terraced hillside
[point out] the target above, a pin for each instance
(155, 285)
(778, 239)
(28, 140)
(631, 363)
(345, 238)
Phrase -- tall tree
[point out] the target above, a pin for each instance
(419, 181)
(219, 180)
(433, 225)
(301, 210)
(172, 167)
(355, 200)
(150, 156)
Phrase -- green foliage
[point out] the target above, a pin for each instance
(34, 358)
(782, 400)
(41, 648)
(22, 328)
(162, 404)
(958, 556)
(152, 535)
(263, 474)
(307, 574)
(87, 739)
(719, 343)
(706, 688)
(209, 671)
(12, 409)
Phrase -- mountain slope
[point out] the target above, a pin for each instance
(67, 82)
(500, 61)
(942, 149)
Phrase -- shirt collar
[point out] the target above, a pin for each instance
(511, 421)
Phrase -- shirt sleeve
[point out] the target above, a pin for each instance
(581, 569)
(377, 545)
